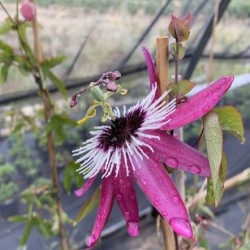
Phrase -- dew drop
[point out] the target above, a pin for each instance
(164, 213)
(118, 197)
(156, 203)
(126, 215)
(156, 198)
(206, 109)
(176, 199)
(194, 169)
(99, 216)
(172, 162)
(181, 226)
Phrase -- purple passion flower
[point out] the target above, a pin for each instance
(132, 149)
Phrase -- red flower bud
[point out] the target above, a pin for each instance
(28, 10)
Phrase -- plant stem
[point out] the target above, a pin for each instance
(6, 11)
(180, 175)
(176, 61)
(162, 66)
(53, 168)
(48, 113)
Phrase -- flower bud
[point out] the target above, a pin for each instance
(28, 10)
(115, 75)
(111, 86)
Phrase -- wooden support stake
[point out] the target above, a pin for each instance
(162, 66)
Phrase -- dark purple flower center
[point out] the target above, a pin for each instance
(121, 130)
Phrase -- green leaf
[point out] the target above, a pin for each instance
(177, 55)
(71, 176)
(215, 197)
(50, 63)
(88, 206)
(24, 66)
(65, 119)
(213, 141)
(25, 44)
(6, 48)
(231, 121)
(5, 26)
(4, 73)
(56, 127)
(180, 89)
(44, 227)
(206, 210)
(59, 84)
(26, 233)
(18, 218)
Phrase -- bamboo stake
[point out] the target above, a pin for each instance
(162, 66)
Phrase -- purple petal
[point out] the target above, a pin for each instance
(199, 104)
(126, 198)
(105, 207)
(81, 191)
(155, 182)
(151, 70)
(177, 154)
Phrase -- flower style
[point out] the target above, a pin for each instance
(133, 148)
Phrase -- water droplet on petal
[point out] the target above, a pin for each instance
(176, 199)
(133, 229)
(126, 215)
(156, 198)
(99, 216)
(206, 109)
(156, 203)
(164, 213)
(172, 162)
(181, 226)
(194, 169)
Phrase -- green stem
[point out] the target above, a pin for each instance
(6, 11)
(177, 62)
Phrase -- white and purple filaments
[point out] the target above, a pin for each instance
(122, 140)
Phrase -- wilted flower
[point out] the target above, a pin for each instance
(133, 148)
(28, 10)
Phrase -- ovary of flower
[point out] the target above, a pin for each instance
(133, 148)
